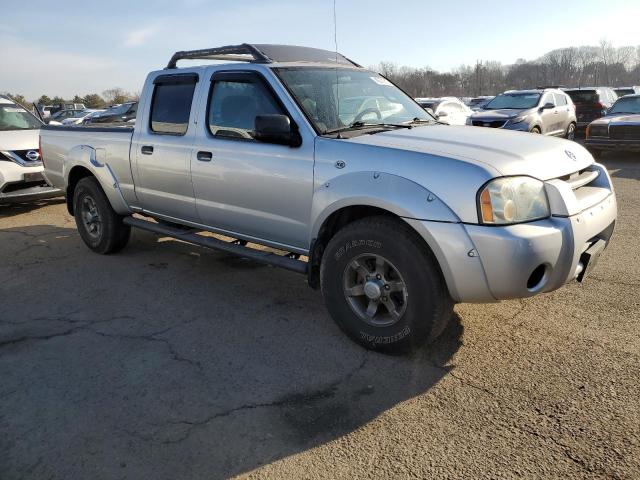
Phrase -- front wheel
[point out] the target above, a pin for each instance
(383, 286)
(536, 130)
(571, 132)
(100, 227)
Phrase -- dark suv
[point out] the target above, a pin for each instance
(591, 103)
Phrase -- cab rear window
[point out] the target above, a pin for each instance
(171, 104)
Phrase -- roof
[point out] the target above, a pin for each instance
(262, 53)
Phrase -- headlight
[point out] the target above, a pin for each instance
(512, 200)
(519, 119)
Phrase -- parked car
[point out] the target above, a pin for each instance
(118, 114)
(45, 110)
(619, 129)
(81, 117)
(477, 103)
(399, 219)
(449, 110)
(591, 103)
(546, 111)
(60, 116)
(20, 165)
(622, 91)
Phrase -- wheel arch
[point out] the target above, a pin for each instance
(357, 195)
(83, 161)
(76, 174)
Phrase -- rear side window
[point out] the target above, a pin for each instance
(171, 104)
(234, 105)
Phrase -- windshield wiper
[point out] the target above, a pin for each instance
(363, 125)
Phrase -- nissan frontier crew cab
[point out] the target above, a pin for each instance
(304, 151)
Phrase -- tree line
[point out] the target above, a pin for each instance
(93, 100)
(602, 65)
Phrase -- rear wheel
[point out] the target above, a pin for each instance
(383, 286)
(100, 227)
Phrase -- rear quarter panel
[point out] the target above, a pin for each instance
(104, 152)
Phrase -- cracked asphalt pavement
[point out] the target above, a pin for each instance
(170, 361)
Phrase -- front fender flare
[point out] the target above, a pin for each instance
(392, 193)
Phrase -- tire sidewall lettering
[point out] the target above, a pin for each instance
(340, 252)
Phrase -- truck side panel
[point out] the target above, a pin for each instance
(104, 152)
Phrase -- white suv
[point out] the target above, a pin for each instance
(20, 165)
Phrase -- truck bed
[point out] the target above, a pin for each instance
(62, 147)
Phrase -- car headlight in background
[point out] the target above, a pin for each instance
(510, 200)
(519, 119)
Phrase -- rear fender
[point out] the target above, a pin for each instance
(94, 160)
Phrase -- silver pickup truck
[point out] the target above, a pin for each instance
(347, 180)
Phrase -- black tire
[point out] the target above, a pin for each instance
(535, 130)
(100, 227)
(422, 319)
(570, 134)
(595, 152)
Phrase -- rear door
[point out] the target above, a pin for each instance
(243, 186)
(563, 109)
(162, 147)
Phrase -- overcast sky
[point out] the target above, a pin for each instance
(65, 47)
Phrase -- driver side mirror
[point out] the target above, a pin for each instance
(276, 129)
(548, 106)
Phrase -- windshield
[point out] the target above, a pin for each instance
(626, 105)
(624, 91)
(14, 117)
(520, 101)
(363, 97)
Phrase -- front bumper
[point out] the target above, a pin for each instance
(609, 144)
(489, 263)
(23, 184)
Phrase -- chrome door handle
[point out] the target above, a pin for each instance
(204, 156)
(147, 150)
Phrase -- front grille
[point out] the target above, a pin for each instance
(23, 154)
(14, 187)
(599, 131)
(624, 132)
(490, 124)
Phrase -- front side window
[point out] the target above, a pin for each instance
(171, 107)
(335, 98)
(234, 105)
(517, 101)
(561, 100)
(548, 98)
(14, 117)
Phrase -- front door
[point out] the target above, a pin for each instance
(163, 149)
(243, 186)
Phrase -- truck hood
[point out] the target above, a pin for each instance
(500, 152)
(502, 114)
(19, 139)
(619, 119)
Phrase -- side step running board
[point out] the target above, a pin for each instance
(190, 236)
